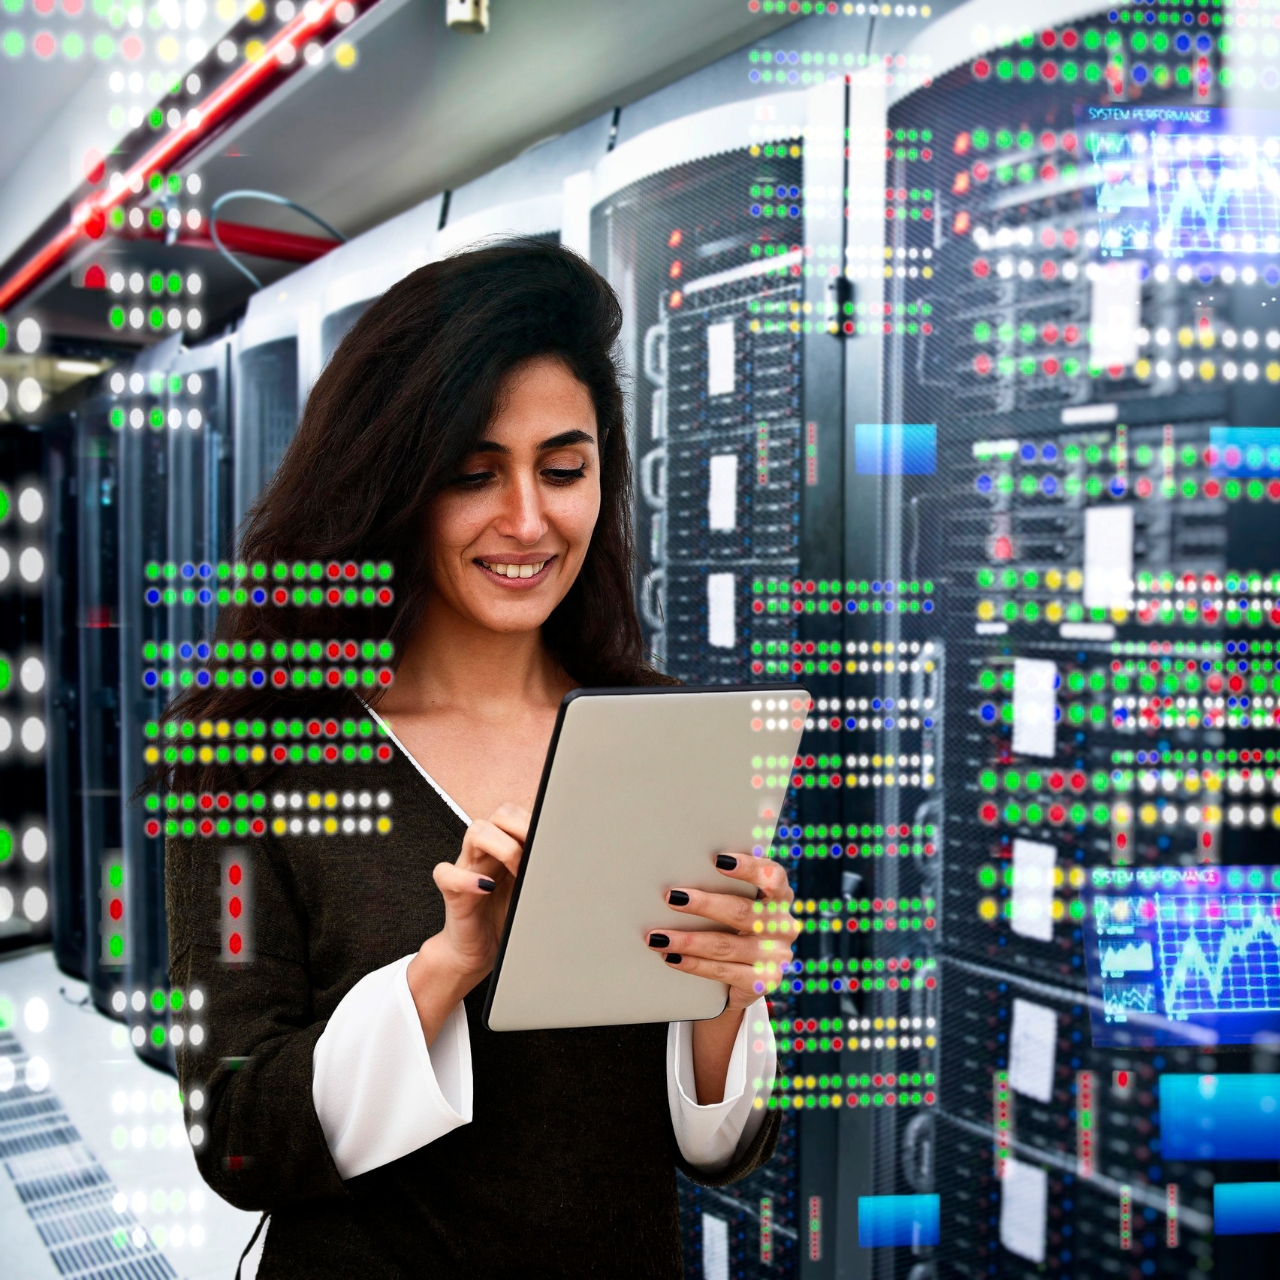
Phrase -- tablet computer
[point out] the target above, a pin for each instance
(642, 787)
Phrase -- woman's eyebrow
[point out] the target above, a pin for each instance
(568, 437)
(574, 436)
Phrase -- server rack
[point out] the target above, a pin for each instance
(98, 626)
(24, 881)
(183, 543)
(267, 406)
(737, 437)
(1044, 431)
(145, 528)
(69, 918)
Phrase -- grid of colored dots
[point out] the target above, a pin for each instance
(245, 813)
(298, 677)
(780, 596)
(257, 650)
(321, 749)
(280, 596)
(260, 571)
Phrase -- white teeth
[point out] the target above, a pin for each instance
(514, 570)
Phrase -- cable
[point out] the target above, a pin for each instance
(271, 198)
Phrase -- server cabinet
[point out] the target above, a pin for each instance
(68, 909)
(24, 552)
(148, 579)
(183, 476)
(266, 414)
(98, 632)
(737, 439)
(1101, 570)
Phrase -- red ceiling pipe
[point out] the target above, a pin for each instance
(262, 242)
(89, 218)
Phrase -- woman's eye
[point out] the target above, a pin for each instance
(473, 479)
(565, 475)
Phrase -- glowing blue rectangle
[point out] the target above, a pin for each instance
(895, 448)
(897, 1220)
(1245, 451)
(1220, 1117)
(1246, 1208)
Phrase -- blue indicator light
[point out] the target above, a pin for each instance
(1246, 1208)
(1211, 1117)
(898, 1220)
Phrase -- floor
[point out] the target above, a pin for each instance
(97, 1179)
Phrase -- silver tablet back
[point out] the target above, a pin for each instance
(645, 787)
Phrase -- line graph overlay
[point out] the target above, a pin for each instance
(1218, 194)
(1219, 954)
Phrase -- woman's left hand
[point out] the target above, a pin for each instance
(752, 959)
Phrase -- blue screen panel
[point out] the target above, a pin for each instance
(1183, 955)
(1246, 1208)
(1220, 1117)
(896, 448)
(897, 1220)
(1245, 451)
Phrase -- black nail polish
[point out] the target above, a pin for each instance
(678, 898)
(486, 884)
(726, 861)
(672, 958)
(659, 940)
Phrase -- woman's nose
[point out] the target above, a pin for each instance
(523, 516)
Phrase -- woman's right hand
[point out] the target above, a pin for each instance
(477, 890)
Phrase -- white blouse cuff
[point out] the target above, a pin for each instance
(378, 1090)
(712, 1136)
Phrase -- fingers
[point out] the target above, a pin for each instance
(513, 819)
(752, 980)
(772, 918)
(765, 958)
(463, 890)
(769, 876)
(711, 945)
(485, 839)
(723, 908)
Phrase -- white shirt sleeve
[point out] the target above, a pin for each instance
(711, 1136)
(378, 1090)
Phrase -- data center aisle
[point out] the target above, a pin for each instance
(99, 1181)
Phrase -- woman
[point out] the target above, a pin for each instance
(470, 431)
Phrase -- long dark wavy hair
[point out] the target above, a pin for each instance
(386, 427)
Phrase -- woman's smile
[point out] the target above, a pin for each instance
(516, 572)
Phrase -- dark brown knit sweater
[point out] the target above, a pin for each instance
(568, 1167)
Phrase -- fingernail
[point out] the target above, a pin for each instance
(672, 958)
(726, 861)
(486, 884)
(659, 940)
(678, 898)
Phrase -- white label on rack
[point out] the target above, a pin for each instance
(720, 363)
(722, 492)
(720, 622)
(1035, 703)
(715, 1248)
(1033, 1044)
(1032, 904)
(1108, 558)
(1024, 1201)
(1115, 312)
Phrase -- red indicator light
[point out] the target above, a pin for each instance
(234, 874)
(234, 908)
(235, 944)
(116, 909)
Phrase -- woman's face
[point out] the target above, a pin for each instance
(509, 535)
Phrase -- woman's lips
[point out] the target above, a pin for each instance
(515, 575)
